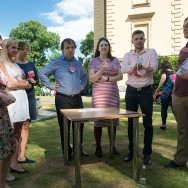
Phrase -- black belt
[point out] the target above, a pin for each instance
(64, 95)
(138, 89)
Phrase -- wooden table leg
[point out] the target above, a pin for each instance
(111, 139)
(77, 154)
(135, 148)
(65, 132)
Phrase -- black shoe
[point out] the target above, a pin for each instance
(129, 157)
(98, 152)
(83, 153)
(173, 164)
(70, 153)
(19, 172)
(147, 160)
(26, 161)
(163, 127)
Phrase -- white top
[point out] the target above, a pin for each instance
(18, 111)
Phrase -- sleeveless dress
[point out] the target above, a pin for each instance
(7, 141)
(18, 111)
(105, 94)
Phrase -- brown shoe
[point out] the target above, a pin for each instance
(116, 152)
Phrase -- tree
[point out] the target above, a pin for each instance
(87, 45)
(40, 40)
(86, 49)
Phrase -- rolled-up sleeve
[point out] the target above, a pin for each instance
(154, 60)
(45, 72)
(83, 77)
(127, 65)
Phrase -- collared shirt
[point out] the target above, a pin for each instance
(68, 73)
(140, 78)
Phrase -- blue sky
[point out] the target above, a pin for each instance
(68, 18)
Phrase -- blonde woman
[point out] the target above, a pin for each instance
(7, 142)
(18, 111)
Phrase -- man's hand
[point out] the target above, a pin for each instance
(185, 74)
(56, 86)
(149, 69)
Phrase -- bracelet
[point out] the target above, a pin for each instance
(108, 79)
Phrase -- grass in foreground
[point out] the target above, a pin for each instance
(49, 171)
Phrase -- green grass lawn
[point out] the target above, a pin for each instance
(49, 170)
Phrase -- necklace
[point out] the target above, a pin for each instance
(105, 59)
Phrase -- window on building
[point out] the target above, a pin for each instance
(140, 3)
(145, 29)
(142, 22)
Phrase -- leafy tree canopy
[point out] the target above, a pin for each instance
(86, 49)
(39, 39)
(87, 45)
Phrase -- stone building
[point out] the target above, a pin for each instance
(161, 20)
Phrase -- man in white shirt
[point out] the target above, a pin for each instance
(140, 64)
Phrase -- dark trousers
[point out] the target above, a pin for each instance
(165, 103)
(144, 99)
(64, 102)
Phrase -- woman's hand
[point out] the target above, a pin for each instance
(7, 98)
(27, 85)
(104, 66)
(31, 81)
(103, 79)
(21, 81)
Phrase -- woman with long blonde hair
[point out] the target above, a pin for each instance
(18, 111)
(7, 142)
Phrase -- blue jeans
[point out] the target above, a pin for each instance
(165, 103)
(144, 99)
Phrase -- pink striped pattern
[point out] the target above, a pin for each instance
(105, 94)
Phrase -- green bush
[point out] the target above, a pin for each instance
(37, 90)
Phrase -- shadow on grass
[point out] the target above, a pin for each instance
(49, 171)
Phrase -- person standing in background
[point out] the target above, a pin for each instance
(167, 81)
(180, 106)
(104, 72)
(70, 79)
(140, 64)
(30, 72)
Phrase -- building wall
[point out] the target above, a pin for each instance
(160, 20)
(99, 20)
